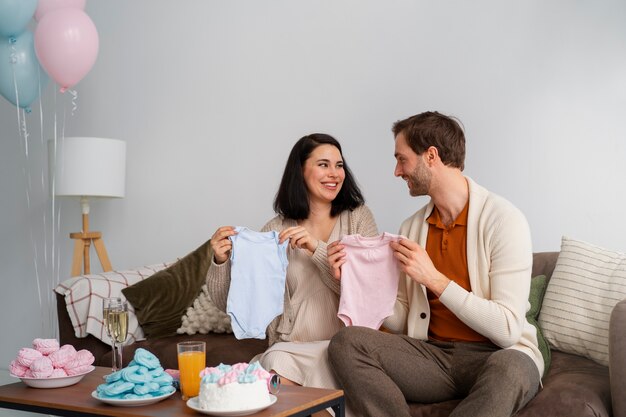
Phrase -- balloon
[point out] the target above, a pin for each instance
(48, 5)
(66, 43)
(19, 58)
(14, 16)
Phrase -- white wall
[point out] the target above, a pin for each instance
(210, 96)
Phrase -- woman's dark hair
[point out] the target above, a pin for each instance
(292, 198)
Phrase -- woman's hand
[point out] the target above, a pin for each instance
(221, 244)
(336, 257)
(299, 237)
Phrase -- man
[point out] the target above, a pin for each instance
(463, 293)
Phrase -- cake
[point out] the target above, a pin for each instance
(238, 387)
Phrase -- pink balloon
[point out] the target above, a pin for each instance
(66, 44)
(44, 6)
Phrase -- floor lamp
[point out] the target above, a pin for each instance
(87, 167)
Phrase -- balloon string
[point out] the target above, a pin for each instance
(38, 278)
(44, 153)
(57, 270)
(13, 60)
(23, 132)
(50, 254)
(57, 204)
(13, 56)
(63, 121)
(20, 120)
(74, 94)
(55, 254)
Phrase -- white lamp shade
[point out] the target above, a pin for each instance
(85, 166)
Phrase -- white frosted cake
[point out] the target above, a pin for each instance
(238, 387)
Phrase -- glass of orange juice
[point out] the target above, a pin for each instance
(191, 360)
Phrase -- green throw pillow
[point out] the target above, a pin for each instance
(161, 299)
(538, 287)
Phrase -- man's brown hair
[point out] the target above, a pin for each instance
(434, 129)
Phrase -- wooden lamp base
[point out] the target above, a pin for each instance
(81, 252)
(82, 245)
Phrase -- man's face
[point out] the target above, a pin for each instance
(411, 167)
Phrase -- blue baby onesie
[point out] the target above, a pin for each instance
(258, 269)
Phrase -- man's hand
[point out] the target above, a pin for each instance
(415, 262)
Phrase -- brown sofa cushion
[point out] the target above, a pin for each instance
(161, 300)
(574, 386)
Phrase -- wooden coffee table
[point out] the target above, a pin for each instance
(76, 400)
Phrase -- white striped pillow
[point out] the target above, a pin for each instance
(586, 284)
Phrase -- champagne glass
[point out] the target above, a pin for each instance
(115, 319)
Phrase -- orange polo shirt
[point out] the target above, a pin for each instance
(447, 248)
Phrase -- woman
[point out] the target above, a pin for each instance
(318, 201)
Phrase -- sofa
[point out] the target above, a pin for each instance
(573, 385)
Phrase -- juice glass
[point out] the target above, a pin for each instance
(191, 360)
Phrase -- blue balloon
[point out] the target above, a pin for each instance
(19, 66)
(14, 16)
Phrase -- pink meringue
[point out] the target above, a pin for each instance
(175, 373)
(16, 369)
(46, 346)
(48, 360)
(81, 363)
(58, 373)
(42, 367)
(81, 369)
(84, 357)
(26, 356)
(63, 356)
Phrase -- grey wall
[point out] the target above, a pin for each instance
(210, 96)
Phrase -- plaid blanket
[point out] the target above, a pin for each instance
(84, 295)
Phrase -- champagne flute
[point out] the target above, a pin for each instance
(115, 318)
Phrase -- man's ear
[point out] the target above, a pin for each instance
(432, 155)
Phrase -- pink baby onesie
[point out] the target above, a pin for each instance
(369, 280)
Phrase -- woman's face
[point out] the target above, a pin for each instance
(323, 173)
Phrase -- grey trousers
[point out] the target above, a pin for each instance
(380, 372)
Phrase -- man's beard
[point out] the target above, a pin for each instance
(419, 182)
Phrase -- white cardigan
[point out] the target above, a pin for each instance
(499, 260)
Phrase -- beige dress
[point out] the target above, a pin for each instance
(299, 337)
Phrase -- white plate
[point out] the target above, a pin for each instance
(131, 403)
(194, 405)
(62, 381)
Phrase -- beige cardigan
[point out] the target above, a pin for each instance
(499, 259)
